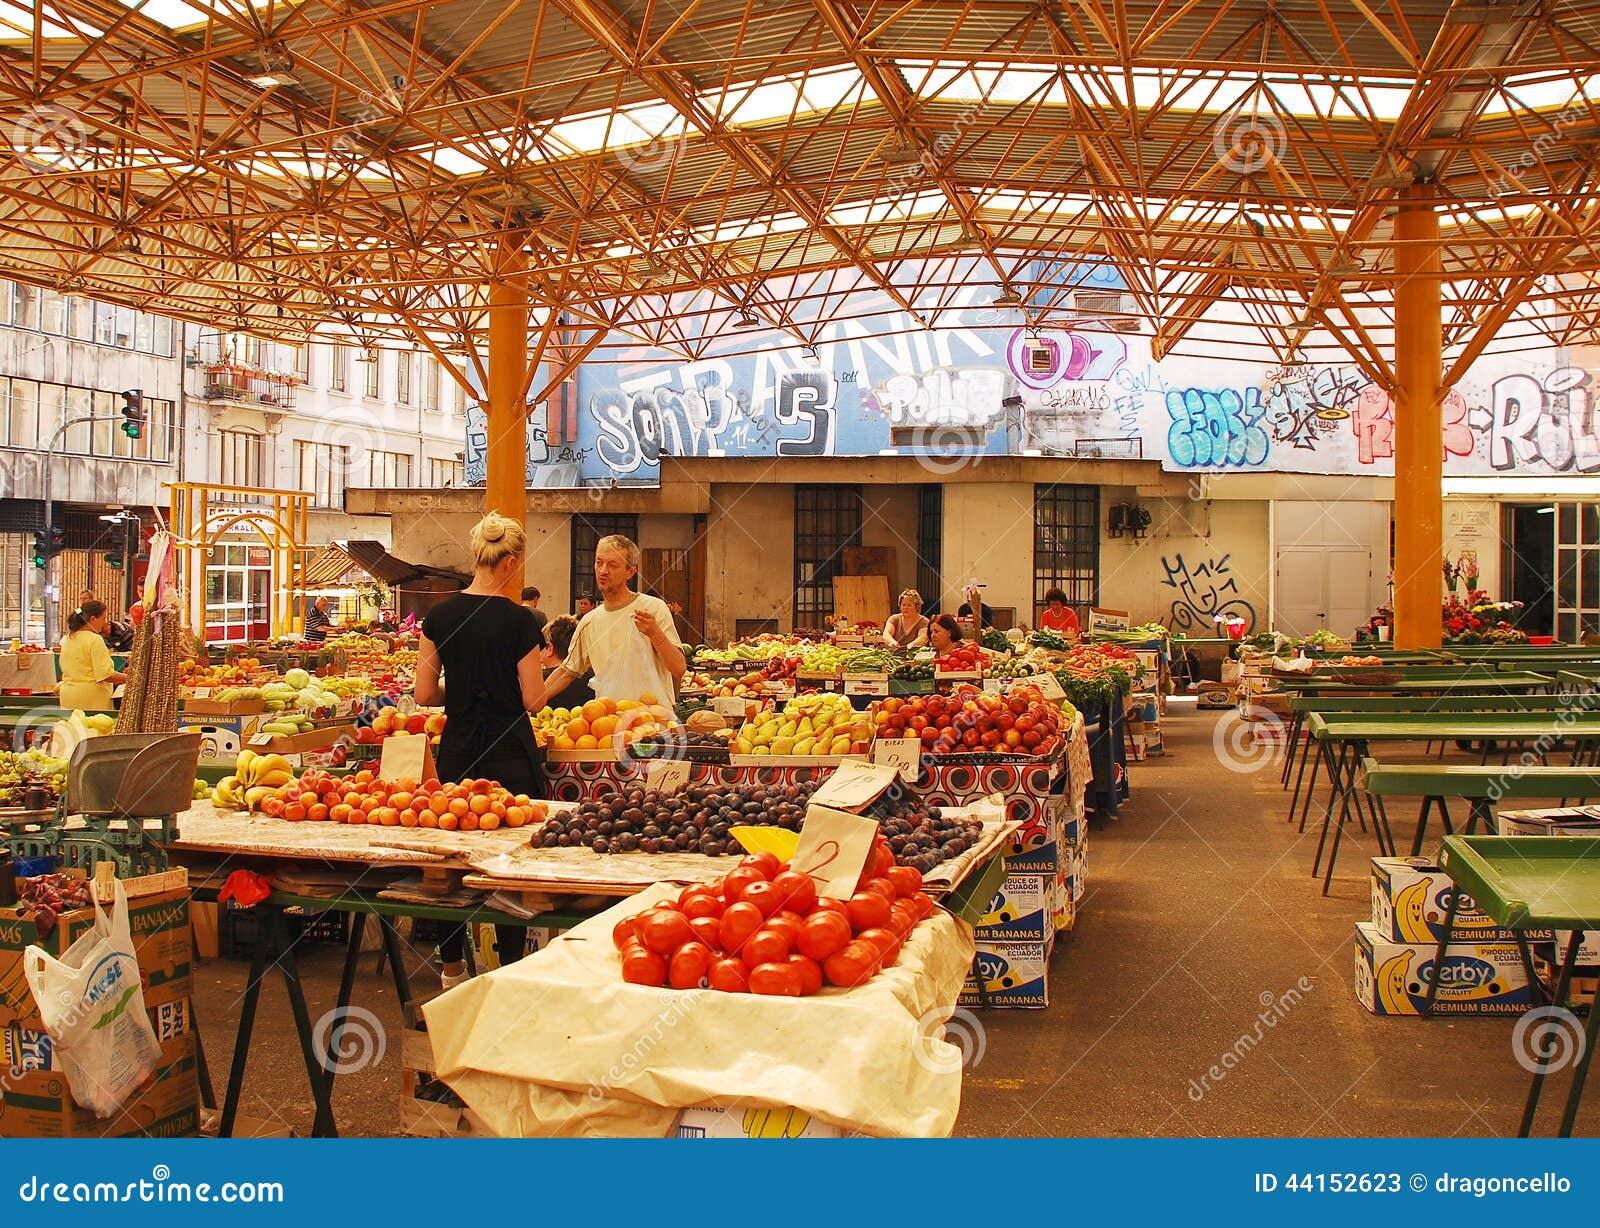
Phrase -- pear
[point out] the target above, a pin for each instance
(783, 746)
(839, 746)
(805, 746)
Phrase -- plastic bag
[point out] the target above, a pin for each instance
(631, 671)
(92, 1004)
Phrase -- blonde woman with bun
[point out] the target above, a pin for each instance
(907, 629)
(480, 656)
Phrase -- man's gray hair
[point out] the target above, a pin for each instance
(616, 541)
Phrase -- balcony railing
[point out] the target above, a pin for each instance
(249, 385)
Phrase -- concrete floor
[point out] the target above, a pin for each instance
(1200, 909)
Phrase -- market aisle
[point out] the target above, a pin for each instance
(1200, 914)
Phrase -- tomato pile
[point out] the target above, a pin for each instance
(763, 929)
(1020, 723)
(471, 805)
(967, 657)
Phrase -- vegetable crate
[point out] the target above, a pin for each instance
(428, 1108)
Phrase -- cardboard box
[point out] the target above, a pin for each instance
(38, 1103)
(754, 1123)
(208, 707)
(1552, 821)
(1556, 950)
(428, 1109)
(1479, 978)
(321, 738)
(1014, 973)
(1213, 696)
(1019, 912)
(221, 737)
(1411, 896)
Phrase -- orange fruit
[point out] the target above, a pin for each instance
(594, 709)
(648, 698)
(514, 816)
(364, 776)
(458, 807)
(498, 809)
(483, 787)
(400, 800)
(339, 813)
(588, 743)
(562, 742)
(317, 813)
(627, 705)
(351, 798)
(489, 822)
(308, 800)
(356, 815)
(408, 817)
(536, 809)
(522, 799)
(438, 803)
(603, 727)
(577, 728)
(431, 785)
(479, 804)
(469, 822)
(448, 822)
(389, 816)
(294, 812)
(427, 819)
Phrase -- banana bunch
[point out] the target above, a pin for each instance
(255, 777)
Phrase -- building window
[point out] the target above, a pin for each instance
(1577, 571)
(24, 306)
(430, 384)
(32, 411)
(369, 372)
(54, 313)
(236, 458)
(300, 362)
(1066, 546)
(586, 532)
(443, 473)
(238, 591)
(402, 377)
(826, 520)
(320, 469)
(930, 548)
(388, 469)
(339, 368)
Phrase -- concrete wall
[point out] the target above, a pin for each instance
(988, 535)
(749, 557)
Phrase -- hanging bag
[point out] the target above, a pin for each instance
(92, 1004)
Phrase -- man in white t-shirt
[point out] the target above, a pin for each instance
(628, 640)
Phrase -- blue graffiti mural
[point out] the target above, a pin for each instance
(1205, 592)
(1216, 428)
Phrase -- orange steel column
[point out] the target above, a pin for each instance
(1418, 433)
(506, 480)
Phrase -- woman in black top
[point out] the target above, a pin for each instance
(578, 693)
(487, 647)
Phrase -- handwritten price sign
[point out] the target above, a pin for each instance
(834, 847)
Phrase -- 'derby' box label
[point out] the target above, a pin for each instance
(1391, 978)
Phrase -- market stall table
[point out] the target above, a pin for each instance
(1344, 740)
(1530, 883)
(1480, 785)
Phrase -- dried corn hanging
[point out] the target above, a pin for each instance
(150, 698)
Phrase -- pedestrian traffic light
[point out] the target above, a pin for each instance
(132, 412)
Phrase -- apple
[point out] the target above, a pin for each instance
(417, 722)
(384, 723)
(435, 725)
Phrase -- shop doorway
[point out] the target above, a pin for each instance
(930, 548)
(1528, 563)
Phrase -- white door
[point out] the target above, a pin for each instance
(1323, 586)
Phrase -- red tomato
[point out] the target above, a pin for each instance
(708, 930)
(767, 863)
(664, 931)
(885, 939)
(695, 889)
(702, 904)
(788, 925)
(825, 933)
(810, 974)
(738, 881)
(690, 964)
(730, 976)
(903, 918)
(826, 903)
(763, 895)
(766, 946)
(624, 930)
(882, 858)
(907, 880)
(738, 923)
(883, 887)
(642, 967)
(929, 735)
(781, 980)
(855, 965)
(925, 905)
(867, 909)
(797, 891)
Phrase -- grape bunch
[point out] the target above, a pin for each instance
(31, 770)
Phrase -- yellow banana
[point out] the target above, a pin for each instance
(255, 793)
(1410, 912)
(1391, 978)
(244, 766)
(225, 794)
(275, 779)
(267, 764)
(775, 1123)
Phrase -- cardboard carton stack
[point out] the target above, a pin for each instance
(36, 1102)
(1045, 871)
(1395, 951)
(1547, 956)
(1144, 726)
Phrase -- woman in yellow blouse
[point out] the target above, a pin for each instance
(87, 675)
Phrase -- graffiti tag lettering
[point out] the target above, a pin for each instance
(1554, 422)
(1216, 428)
(1205, 592)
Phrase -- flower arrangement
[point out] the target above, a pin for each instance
(1478, 620)
(1452, 575)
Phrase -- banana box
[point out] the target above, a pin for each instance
(1479, 978)
(1588, 950)
(1013, 973)
(221, 737)
(1411, 897)
(1019, 912)
(1559, 821)
(753, 1123)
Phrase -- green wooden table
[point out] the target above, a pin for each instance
(1480, 785)
(1586, 676)
(1532, 883)
(1344, 739)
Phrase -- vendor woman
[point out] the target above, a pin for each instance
(487, 647)
(907, 629)
(87, 673)
(944, 632)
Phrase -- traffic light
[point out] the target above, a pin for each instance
(132, 412)
(47, 543)
(114, 561)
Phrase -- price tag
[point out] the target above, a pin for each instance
(261, 739)
(870, 684)
(902, 754)
(834, 847)
(728, 705)
(854, 784)
(667, 775)
(200, 692)
(406, 758)
(1049, 687)
(993, 686)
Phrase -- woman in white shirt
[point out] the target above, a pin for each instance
(907, 629)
